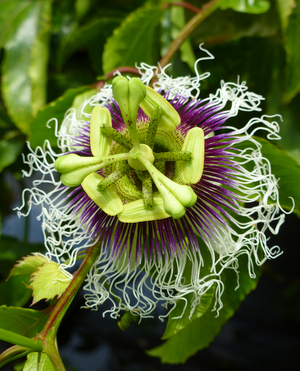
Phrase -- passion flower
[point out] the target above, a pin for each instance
(156, 176)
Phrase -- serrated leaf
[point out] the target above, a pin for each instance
(28, 265)
(133, 42)
(285, 8)
(56, 109)
(201, 332)
(48, 282)
(22, 321)
(38, 362)
(292, 48)
(25, 62)
(246, 6)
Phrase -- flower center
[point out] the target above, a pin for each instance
(147, 169)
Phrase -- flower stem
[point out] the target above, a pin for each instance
(48, 334)
(206, 10)
(184, 4)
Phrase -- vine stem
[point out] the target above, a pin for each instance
(206, 10)
(48, 334)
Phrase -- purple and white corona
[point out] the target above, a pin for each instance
(157, 175)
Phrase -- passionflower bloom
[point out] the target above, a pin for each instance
(156, 175)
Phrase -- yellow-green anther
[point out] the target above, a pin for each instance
(75, 178)
(117, 137)
(67, 163)
(113, 177)
(136, 211)
(172, 156)
(147, 191)
(99, 142)
(129, 94)
(145, 152)
(172, 205)
(170, 117)
(153, 125)
(108, 200)
(192, 170)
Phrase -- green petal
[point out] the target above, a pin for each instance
(136, 211)
(100, 143)
(170, 117)
(192, 169)
(108, 200)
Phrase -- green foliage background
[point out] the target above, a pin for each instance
(53, 53)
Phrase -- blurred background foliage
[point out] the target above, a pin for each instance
(53, 53)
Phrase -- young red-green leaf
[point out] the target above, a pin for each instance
(285, 8)
(27, 265)
(25, 62)
(133, 42)
(22, 321)
(48, 282)
(38, 362)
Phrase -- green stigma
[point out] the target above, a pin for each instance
(143, 172)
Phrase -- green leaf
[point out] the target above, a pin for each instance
(293, 56)
(25, 62)
(285, 8)
(287, 171)
(133, 42)
(10, 148)
(15, 291)
(28, 265)
(38, 362)
(22, 321)
(186, 50)
(9, 10)
(48, 282)
(92, 36)
(56, 109)
(246, 6)
(201, 332)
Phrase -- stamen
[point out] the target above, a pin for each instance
(117, 137)
(153, 125)
(113, 177)
(176, 196)
(146, 188)
(173, 156)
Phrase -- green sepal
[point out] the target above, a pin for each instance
(192, 170)
(100, 143)
(108, 200)
(136, 211)
(170, 118)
